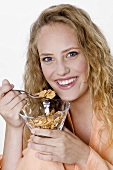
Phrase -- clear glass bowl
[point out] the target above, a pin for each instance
(48, 114)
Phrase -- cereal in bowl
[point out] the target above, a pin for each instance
(47, 122)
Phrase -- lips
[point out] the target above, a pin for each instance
(66, 83)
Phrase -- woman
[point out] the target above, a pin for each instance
(68, 53)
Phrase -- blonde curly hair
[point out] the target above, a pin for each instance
(96, 52)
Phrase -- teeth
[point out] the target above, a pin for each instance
(65, 82)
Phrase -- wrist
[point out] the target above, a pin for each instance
(13, 135)
(14, 129)
(83, 162)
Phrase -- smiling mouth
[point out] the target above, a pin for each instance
(66, 82)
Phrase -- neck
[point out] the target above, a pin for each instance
(81, 113)
(81, 106)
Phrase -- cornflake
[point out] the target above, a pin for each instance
(47, 94)
(47, 122)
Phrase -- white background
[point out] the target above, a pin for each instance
(16, 17)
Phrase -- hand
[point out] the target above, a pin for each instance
(11, 103)
(62, 146)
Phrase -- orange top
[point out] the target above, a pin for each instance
(100, 158)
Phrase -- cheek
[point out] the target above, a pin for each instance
(82, 67)
(46, 71)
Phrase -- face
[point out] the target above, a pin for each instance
(62, 61)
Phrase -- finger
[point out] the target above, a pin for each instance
(41, 148)
(14, 113)
(47, 157)
(47, 132)
(6, 86)
(19, 106)
(9, 97)
(5, 81)
(18, 99)
(43, 140)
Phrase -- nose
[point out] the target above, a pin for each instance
(62, 68)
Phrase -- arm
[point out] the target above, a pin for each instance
(12, 148)
(59, 146)
(11, 103)
(65, 147)
(0, 162)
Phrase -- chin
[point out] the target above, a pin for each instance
(68, 98)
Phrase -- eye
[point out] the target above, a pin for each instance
(72, 54)
(47, 59)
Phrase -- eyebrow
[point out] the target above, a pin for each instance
(71, 48)
(45, 54)
(64, 51)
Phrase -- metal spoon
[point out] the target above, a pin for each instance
(30, 95)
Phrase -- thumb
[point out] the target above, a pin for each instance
(5, 81)
(6, 86)
(68, 131)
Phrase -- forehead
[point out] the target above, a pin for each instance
(56, 34)
(56, 28)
